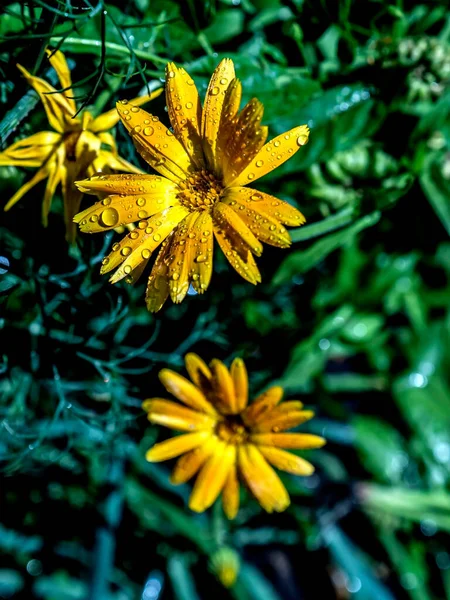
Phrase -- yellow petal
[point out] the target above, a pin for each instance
(223, 387)
(300, 441)
(286, 461)
(58, 109)
(126, 184)
(228, 124)
(32, 151)
(230, 494)
(212, 477)
(158, 283)
(248, 139)
(226, 218)
(109, 119)
(176, 446)
(157, 228)
(122, 209)
(262, 480)
(238, 254)
(189, 464)
(202, 256)
(59, 63)
(279, 422)
(212, 110)
(271, 156)
(198, 370)
(267, 205)
(185, 112)
(182, 255)
(54, 177)
(187, 392)
(155, 143)
(170, 414)
(263, 227)
(39, 176)
(240, 380)
(262, 405)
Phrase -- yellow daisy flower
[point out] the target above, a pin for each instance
(78, 147)
(204, 165)
(228, 439)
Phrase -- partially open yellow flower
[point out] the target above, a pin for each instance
(78, 147)
(228, 439)
(204, 163)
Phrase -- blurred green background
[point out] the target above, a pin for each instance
(353, 319)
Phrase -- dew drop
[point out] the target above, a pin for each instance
(134, 235)
(106, 201)
(145, 253)
(141, 201)
(223, 81)
(109, 217)
(171, 74)
(105, 261)
(201, 258)
(148, 130)
(125, 251)
(251, 176)
(115, 246)
(176, 276)
(156, 237)
(127, 269)
(302, 140)
(259, 163)
(94, 218)
(189, 105)
(142, 214)
(137, 129)
(135, 109)
(214, 91)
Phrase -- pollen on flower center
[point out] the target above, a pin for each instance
(200, 191)
(232, 430)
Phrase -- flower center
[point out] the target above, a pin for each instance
(232, 430)
(200, 191)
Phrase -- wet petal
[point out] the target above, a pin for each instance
(286, 461)
(185, 112)
(262, 480)
(227, 218)
(202, 255)
(155, 143)
(271, 156)
(158, 283)
(176, 446)
(180, 259)
(267, 205)
(212, 110)
(238, 254)
(109, 119)
(212, 477)
(170, 414)
(59, 63)
(223, 387)
(126, 184)
(276, 421)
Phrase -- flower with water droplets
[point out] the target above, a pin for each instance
(227, 439)
(205, 165)
(77, 147)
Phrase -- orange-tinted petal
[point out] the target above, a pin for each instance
(155, 143)
(240, 380)
(170, 414)
(202, 255)
(263, 227)
(230, 494)
(181, 257)
(237, 253)
(109, 119)
(267, 205)
(185, 112)
(271, 156)
(286, 461)
(228, 124)
(300, 441)
(226, 218)
(189, 464)
(158, 283)
(280, 421)
(212, 109)
(176, 446)
(261, 479)
(197, 368)
(187, 392)
(223, 387)
(157, 229)
(212, 477)
(262, 405)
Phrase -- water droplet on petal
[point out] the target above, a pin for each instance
(214, 91)
(145, 253)
(109, 217)
(125, 251)
(148, 130)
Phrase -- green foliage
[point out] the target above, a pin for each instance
(353, 318)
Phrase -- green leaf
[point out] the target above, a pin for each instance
(183, 583)
(436, 186)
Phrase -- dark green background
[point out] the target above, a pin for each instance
(353, 319)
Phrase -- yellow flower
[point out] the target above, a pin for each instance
(204, 164)
(78, 147)
(228, 439)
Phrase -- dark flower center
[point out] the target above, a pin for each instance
(232, 430)
(200, 191)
